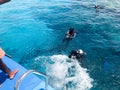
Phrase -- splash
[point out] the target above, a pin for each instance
(67, 74)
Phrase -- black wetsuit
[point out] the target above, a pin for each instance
(71, 32)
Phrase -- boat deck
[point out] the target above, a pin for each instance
(31, 82)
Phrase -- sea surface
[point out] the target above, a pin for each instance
(31, 31)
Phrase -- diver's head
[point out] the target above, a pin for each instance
(71, 29)
(80, 51)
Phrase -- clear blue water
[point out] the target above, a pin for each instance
(32, 33)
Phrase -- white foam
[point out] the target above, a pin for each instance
(60, 76)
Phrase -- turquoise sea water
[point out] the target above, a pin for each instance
(32, 32)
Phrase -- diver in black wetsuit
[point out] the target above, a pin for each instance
(71, 33)
(77, 54)
(98, 7)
